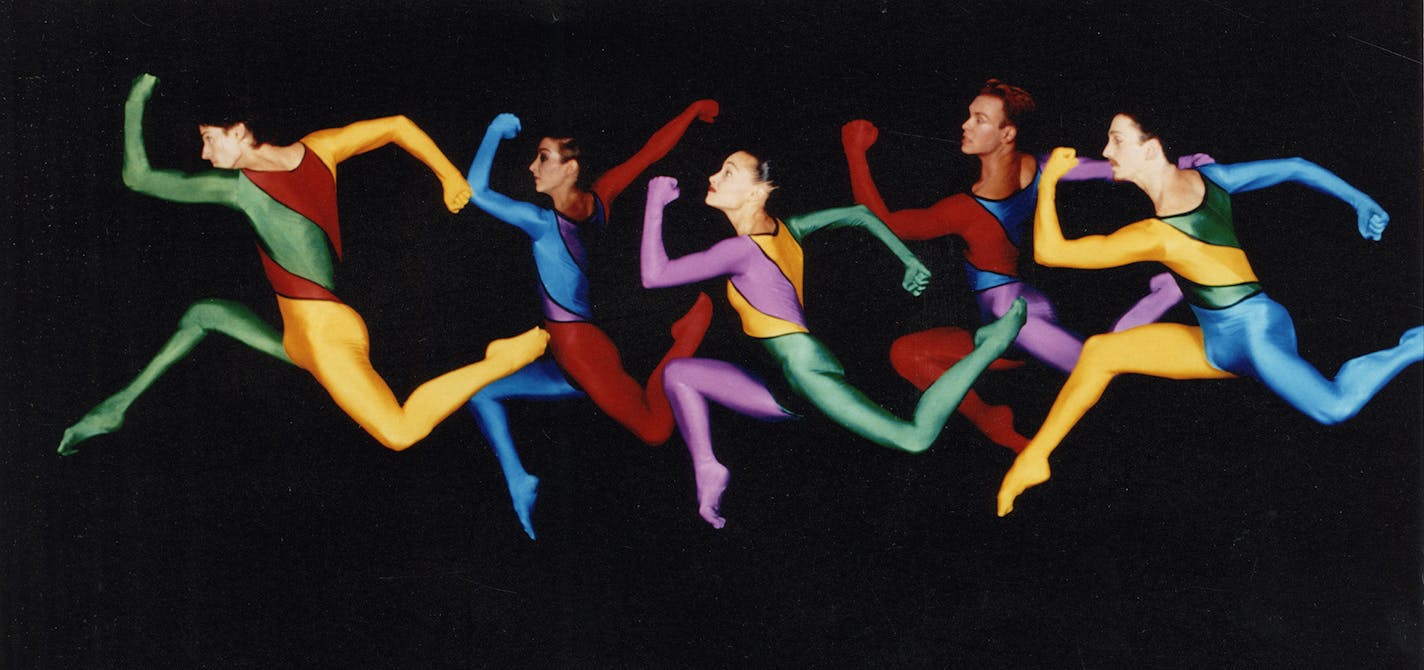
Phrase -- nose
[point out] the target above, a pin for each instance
(1107, 150)
(965, 125)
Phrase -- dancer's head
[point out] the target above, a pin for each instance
(561, 162)
(230, 124)
(225, 146)
(1134, 146)
(995, 116)
(743, 183)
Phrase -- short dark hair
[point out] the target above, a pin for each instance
(1018, 104)
(1152, 126)
(225, 109)
(570, 149)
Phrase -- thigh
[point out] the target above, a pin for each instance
(1169, 350)
(590, 359)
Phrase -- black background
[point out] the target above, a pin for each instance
(240, 520)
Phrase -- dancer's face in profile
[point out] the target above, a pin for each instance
(1126, 151)
(736, 184)
(986, 129)
(549, 168)
(223, 147)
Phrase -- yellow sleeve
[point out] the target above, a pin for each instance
(1135, 242)
(338, 144)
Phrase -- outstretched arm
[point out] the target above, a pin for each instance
(612, 183)
(526, 216)
(338, 144)
(1092, 169)
(215, 186)
(724, 258)
(917, 276)
(1238, 177)
(1131, 244)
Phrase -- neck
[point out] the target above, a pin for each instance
(1160, 183)
(751, 220)
(572, 201)
(268, 158)
(999, 172)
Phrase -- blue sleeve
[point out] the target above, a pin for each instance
(1241, 177)
(526, 216)
(1260, 174)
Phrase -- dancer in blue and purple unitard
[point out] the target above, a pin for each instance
(583, 359)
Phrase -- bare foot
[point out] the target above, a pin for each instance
(1028, 470)
(711, 482)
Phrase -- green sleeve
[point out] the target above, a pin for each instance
(857, 216)
(215, 186)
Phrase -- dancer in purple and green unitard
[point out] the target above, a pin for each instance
(763, 264)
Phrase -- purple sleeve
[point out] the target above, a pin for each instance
(1087, 169)
(727, 257)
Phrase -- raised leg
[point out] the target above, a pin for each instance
(1166, 350)
(329, 340)
(223, 316)
(592, 361)
(1268, 352)
(690, 383)
(922, 357)
(818, 376)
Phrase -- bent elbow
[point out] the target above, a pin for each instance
(135, 180)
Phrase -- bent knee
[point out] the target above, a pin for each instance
(676, 374)
(396, 439)
(208, 313)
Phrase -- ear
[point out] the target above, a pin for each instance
(1008, 133)
(759, 193)
(1152, 149)
(240, 132)
(571, 168)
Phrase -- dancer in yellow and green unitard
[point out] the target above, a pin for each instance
(1242, 331)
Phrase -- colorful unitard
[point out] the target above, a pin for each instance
(584, 359)
(294, 216)
(764, 286)
(993, 231)
(1242, 331)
